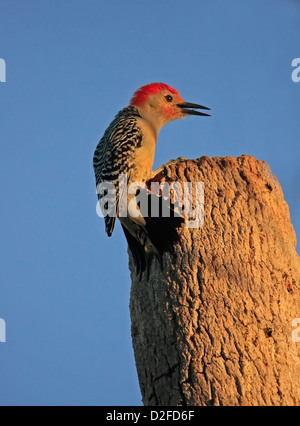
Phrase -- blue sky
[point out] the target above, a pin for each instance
(70, 66)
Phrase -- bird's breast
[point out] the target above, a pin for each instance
(144, 155)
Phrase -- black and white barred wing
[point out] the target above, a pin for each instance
(113, 160)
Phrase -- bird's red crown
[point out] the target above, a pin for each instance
(140, 96)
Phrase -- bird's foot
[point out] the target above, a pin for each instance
(165, 168)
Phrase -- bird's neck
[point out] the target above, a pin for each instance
(155, 121)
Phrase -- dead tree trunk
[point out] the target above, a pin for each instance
(215, 327)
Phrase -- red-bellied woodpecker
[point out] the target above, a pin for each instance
(127, 149)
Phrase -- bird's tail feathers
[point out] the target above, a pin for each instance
(157, 236)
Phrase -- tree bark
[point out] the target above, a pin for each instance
(215, 326)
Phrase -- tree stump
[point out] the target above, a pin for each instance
(215, 326)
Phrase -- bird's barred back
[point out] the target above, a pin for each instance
(122, 136)
(119, 143)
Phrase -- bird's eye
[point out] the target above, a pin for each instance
(168, 98)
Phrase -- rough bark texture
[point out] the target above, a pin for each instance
(215, 327)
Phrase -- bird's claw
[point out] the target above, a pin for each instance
(165, 168)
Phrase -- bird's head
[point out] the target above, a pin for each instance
(160, 104)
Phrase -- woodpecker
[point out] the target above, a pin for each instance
(127, 148)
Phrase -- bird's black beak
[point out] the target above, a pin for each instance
(189, 108)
